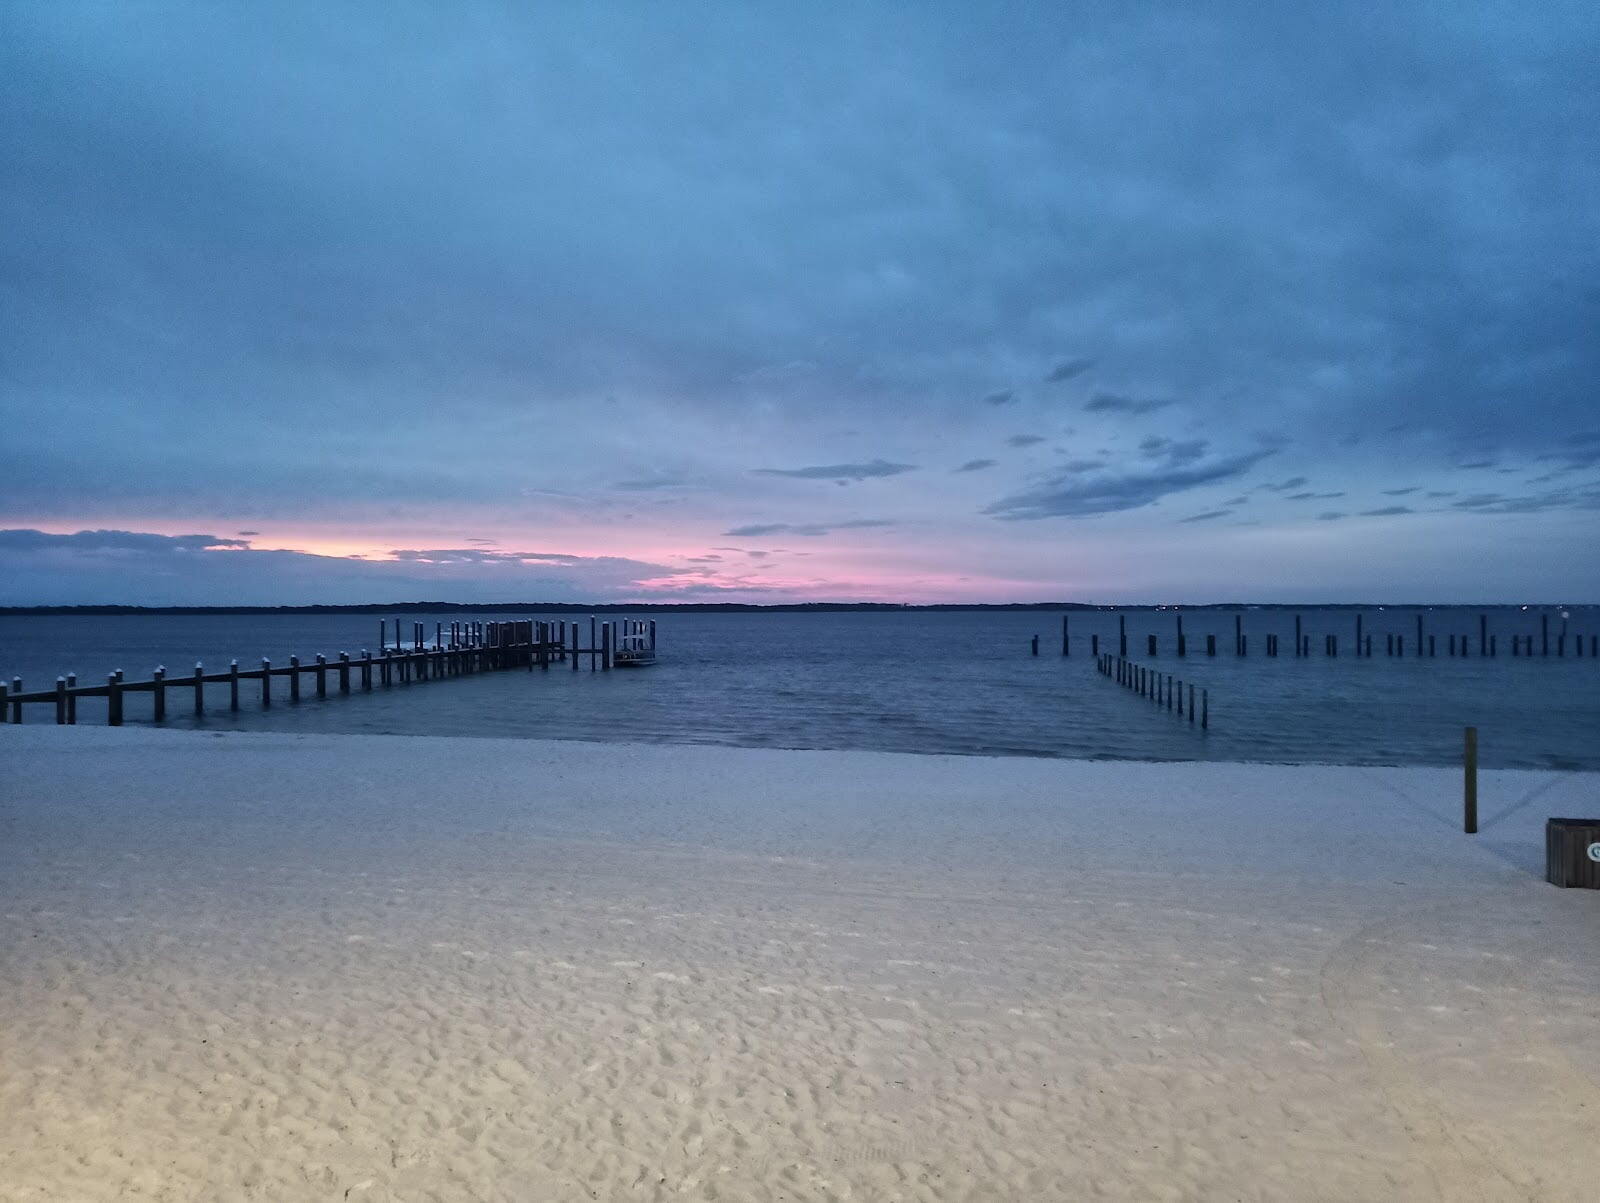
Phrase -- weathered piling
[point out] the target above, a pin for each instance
(1297, 643)
(1211, 645)
(1419, 634)
(199, 689)
(1359, 644)
(1122, 634)
(1066, 642)
(1183, 646)
(1238, 634)
(1094, 645)
(1035, 646)
(322, 675)
(1150, 645)
(233, 685)
(344, 671)
(61, 701)
(266, 684)
(1483, 635)
(158, 691)
(1469, 767)
(113, 700)
(72, 700)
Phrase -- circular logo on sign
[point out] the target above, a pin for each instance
(1594, 852)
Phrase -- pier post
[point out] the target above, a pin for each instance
(1544, 634)
(1431, 652)
(366, 671)
(594, 644)
(1211, 645)
(1483, 634)
(1419, 634)
(199, 689)
(72, 701)
(606, 641)
(61, 701)
(233, 685)
(266, 684)
(158, 690)
(1094, 645)
(1359, 644)
(1191, 705)
(1122, 634)
(1469, 783)
(294, 676)
(1150, 645)
(1066, 643)
(5, 714)
(113, 701)
(322, 675)
(1238, 634)
(1205, 709)
(1297, 645)
(344, 672)
(1035, 645)
(1183, 647)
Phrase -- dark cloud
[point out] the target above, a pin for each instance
(1294, 482)
(1387, 511)
(1538, 503)
(1024, 440)
(1063, 494)
(1207, 516)
(118, 566)
(1116, 403)
(1001, 398)
(1068, 369)
(841, 472)
(805, 528)
(1330, 516)
(248, 534)
(1476, 465)
(1400, 492)
(975, 465)
(115, 541)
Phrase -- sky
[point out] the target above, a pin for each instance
(765, 303)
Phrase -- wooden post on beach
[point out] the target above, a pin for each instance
(1483, 635)
(1150, 645)
(1431, 652)
(233, 685)
(1419, 634)
(266, 684)
(1205, 709)
(1066, 643)
(61, 701)
(72, 702)
(1183, 647)
(366, 671)
(294, 676)
(322, 675)
(199, 688)
(1469, 765)
(1191, 705)
(16, 692)
(1358, 633)
(1211, 645)
(1094, 645)
(1122, 634)
(1036, 645)
(605, 645)
(158, 691)
(113, 701)
(1544, 634)
(1297, 635)
(5, 713)
(1180, 699)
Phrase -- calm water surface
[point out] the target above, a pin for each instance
(909, 681)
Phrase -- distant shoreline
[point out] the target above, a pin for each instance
(441, 607)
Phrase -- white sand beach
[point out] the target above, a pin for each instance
(273, 967)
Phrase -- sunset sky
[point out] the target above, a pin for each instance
(903, 302)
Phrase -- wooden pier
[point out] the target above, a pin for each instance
(459, 649)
